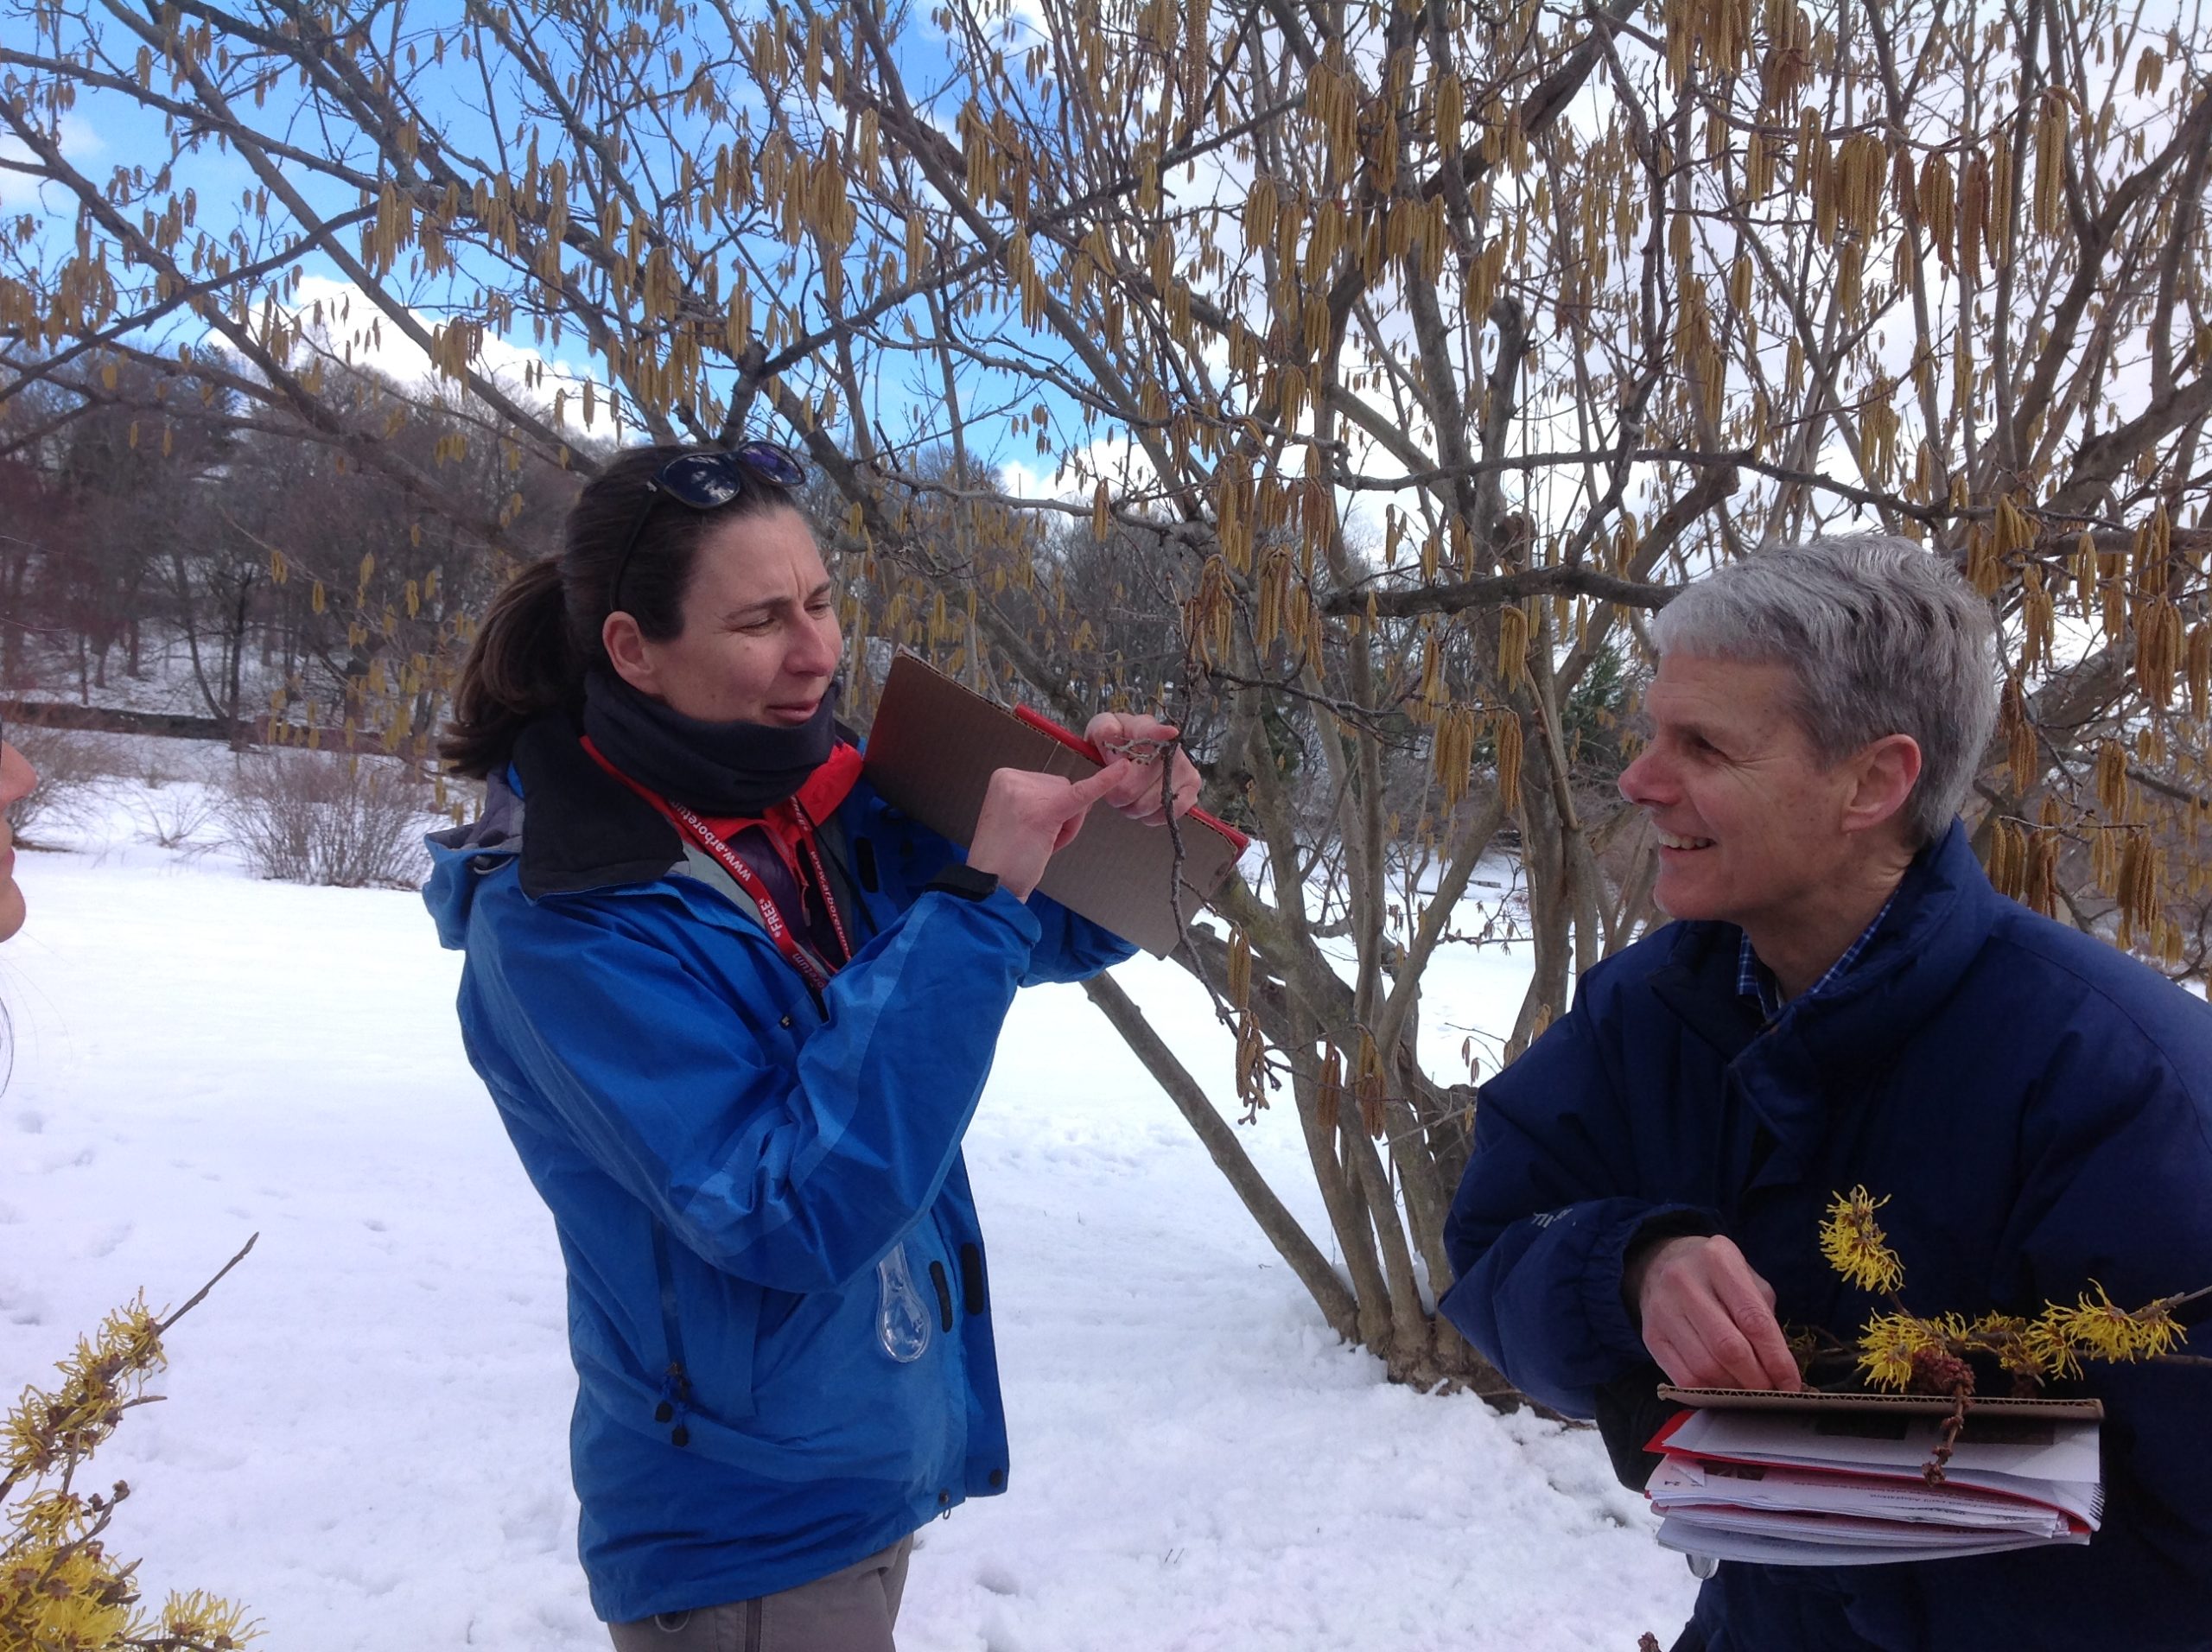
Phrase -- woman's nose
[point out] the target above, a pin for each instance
(817, 649)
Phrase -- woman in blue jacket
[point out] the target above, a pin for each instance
(736, 1012)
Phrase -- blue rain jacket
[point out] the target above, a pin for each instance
(2036, 1107)
(758, 1196)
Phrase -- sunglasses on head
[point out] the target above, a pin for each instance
(707, 481)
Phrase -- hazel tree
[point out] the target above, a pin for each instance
(1349, 380)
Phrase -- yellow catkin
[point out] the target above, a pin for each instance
(2135, 872)
(2040, 890)
(1328, 1093)
(1452, 751)
(1513, 646)
(2007, 858)
(2160, 651)
(1368, 1088)
(1509, 759)
(1251, 1055)
(2112, 781)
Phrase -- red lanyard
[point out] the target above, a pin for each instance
(812, 969)
(797, 957)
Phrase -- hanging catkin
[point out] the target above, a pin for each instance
(1509, 759)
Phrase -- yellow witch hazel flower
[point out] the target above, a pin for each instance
(198, 1619)
(2012, 1339)
(2108, 1331)
(1854, 1244)
(1902, 1349)
(1892, 1341)
(2049, 1343)
(1888, 1344)
(1885, 1349)
(63, 1588)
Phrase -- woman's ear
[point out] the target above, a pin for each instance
(630, 654)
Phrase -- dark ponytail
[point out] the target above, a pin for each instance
(542, 632)
(518, 670)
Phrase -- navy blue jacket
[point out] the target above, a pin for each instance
(2039, 1109)
(728, 1162)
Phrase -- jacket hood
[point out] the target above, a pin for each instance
(460, 855)
(587, 830)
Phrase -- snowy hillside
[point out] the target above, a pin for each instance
(365, 1431)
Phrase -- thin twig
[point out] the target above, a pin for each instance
(200, 1295)
(1946, 1440)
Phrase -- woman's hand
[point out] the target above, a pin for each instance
(1143, 741)
(1027, 818)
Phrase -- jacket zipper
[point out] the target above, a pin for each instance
(676, 1387)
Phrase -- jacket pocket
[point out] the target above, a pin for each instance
(863, 1382)
(708, 1322)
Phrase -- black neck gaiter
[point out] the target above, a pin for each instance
(717, 768)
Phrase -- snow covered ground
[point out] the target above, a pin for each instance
(365, 1436)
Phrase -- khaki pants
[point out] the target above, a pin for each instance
(851, 1610)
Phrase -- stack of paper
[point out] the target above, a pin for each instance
(1836, 1480)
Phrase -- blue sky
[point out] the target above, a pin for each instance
(106, 131)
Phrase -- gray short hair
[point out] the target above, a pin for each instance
(1884, 638)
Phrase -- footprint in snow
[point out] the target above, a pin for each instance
(21, 1306)
(30, 1124)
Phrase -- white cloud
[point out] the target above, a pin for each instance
(81, 143)
(1115, 458)
(352, 328)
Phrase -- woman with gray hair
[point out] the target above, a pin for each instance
(1844, 1001)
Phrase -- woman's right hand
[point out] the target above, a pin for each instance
(1027, 818)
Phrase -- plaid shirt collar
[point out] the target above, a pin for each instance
(1754, 980)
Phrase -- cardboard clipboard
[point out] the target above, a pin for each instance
(1931, 1405)
(932, 749)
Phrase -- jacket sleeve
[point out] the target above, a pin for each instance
(793, 1164)
(2118, 1195)
(1545, 1214)
(1069, 947)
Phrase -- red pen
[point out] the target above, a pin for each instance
(1082, 747)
